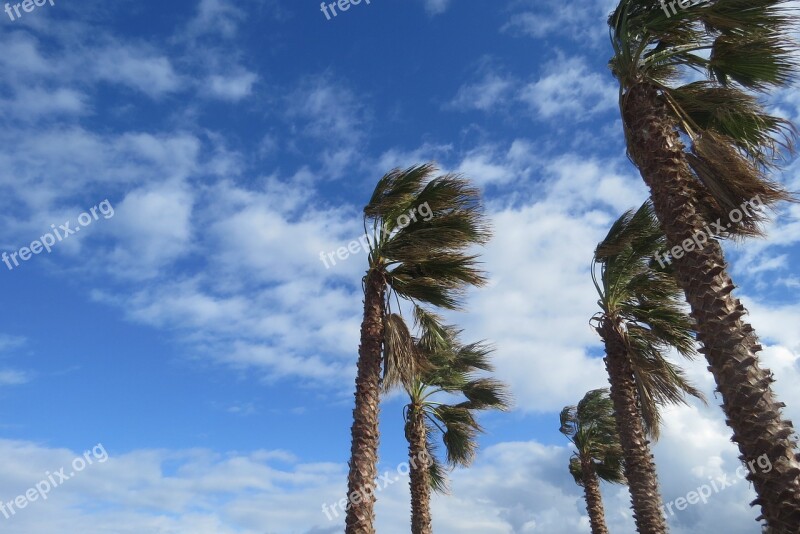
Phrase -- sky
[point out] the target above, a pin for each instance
(187, 162)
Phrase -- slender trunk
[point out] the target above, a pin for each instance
(416, 434)
(364, 447)
(594, 500)
(730, 344)
(640, 469)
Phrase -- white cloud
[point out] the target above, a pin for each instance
(326, 109)
(485, 94)
(215, 17)
(232, 87)
(34, 103)
(139, 69)
(581, 20)
(153, 229)
(10, 377)
(569, 87)
(436, 7)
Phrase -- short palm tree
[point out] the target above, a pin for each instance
(641, 318)
(591, 427)
(414, 257)
(450, 368)
(704, 149)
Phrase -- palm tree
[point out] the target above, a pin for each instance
(591, 427)
(416, 257)
(744, 48)
(450, 369)
(641, 318)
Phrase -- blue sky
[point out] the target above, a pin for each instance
(196, 334)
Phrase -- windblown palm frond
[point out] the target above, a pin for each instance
(422, 228)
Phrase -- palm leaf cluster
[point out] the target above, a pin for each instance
(742, 49)
(591, 427)
(452, 369)
(425, 261)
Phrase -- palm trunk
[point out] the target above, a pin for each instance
(416, 434)
(364, 447)
(640, 470)
(594, 500)
(730, 344)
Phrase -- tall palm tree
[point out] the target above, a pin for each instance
(641, 318)
(591, 427)
(415, 257)
(451, 368)
(744, 48)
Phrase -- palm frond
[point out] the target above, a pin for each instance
(461, 429)
(576, 470)
(397, 188)
(486, 393)
(437, 473)
(737, 117)
(403, 361)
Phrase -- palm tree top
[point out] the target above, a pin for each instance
(735, 41)
(426, 260)
(646, 305)
(591, 427)
(742, 48)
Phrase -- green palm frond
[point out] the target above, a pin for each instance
(755, 61)
(474, 357)
(396, 190)
(486, 393)
(576, 470)
(611, 467)
(437, 279)
(737, 116)
(436, 338)
(437, 473)
(461, 430)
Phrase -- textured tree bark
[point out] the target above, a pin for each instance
(416, 434)
(730, 344)
(360, 517)
(594, 499)
(640, 469)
